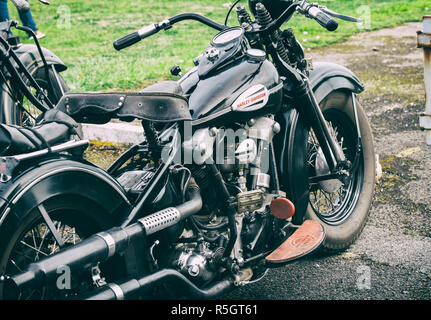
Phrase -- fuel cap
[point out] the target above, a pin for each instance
(256, 55)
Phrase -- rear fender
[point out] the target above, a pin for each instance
(60, 177)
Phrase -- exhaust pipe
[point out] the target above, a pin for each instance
(132, 289)
(101, 246)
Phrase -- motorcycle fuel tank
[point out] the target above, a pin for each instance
(246, 85)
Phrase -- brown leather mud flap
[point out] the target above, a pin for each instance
(307, 238)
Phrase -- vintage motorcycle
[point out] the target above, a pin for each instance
(27, 67)
(250, 161)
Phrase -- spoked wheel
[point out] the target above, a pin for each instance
(49, 228)
(26, 113)
(331, 200)
(341, 207)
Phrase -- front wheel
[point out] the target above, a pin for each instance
(26, 114)
(342, 208)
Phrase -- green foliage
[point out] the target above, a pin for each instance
(85, 41)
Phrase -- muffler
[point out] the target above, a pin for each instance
(136, 288)
(101, 246)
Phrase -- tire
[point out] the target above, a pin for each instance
(348, 206)
(21, 235)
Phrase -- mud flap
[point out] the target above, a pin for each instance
(305, 240)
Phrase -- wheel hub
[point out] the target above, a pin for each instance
(322, 168)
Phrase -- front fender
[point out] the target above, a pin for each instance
(327, 77)
(30, 57)
(60, 177)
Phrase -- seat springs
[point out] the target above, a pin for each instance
(153, 140)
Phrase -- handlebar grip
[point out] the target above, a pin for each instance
(323, 19)
(135, 37)
(127, 41)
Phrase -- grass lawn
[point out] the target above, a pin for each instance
(81, 33)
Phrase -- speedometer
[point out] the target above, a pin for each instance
(227, 36)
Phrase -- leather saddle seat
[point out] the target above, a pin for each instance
(165, 86)
(161, 102)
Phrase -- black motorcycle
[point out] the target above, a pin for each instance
(27, 67)
(251, 160)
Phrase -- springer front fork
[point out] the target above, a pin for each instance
(298, 89)
(334, 155)
(339, 167)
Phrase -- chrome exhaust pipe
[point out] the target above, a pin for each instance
(136, 288)
(101, 246)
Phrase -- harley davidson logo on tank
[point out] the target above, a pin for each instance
(252, 99)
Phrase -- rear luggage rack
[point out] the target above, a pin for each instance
(9, 163)
(69, 145)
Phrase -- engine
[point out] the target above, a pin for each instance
(242, 157)
(199, 262)
(196, 247)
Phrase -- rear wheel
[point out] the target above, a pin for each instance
(45, 230)
(342, 208)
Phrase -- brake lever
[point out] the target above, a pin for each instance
(339, 15)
